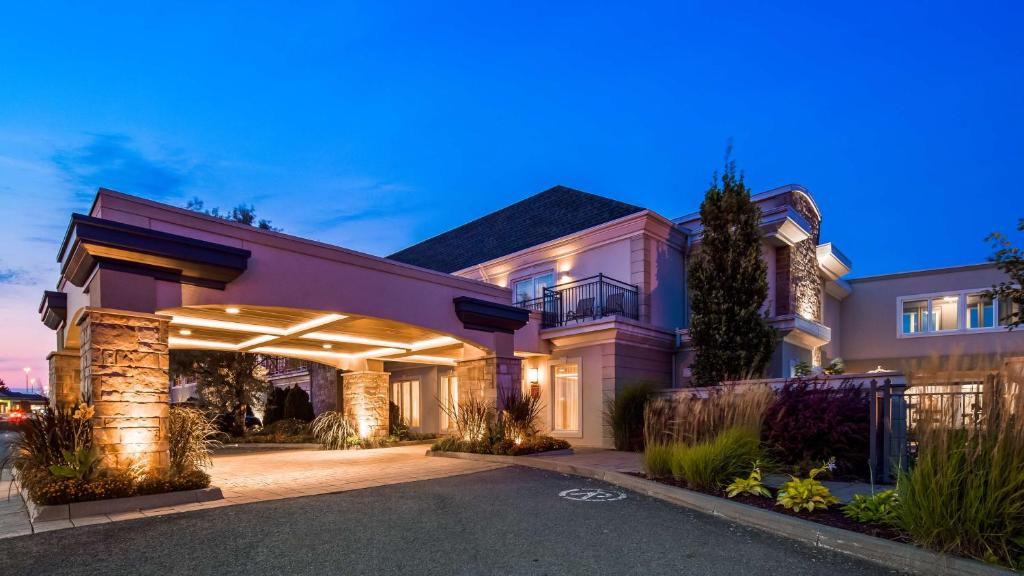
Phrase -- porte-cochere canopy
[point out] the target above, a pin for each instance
(139, 278)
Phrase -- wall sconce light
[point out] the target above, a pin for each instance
(533, 375)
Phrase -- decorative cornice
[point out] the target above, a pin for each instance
(54, 309)
(485, 316)
(92, 243)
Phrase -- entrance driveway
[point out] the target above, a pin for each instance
(269, 474)
(507, 521)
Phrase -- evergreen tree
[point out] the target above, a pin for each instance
(728, 283)
(297, 405)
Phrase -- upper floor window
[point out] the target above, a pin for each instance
(953, 312)
(531, 287)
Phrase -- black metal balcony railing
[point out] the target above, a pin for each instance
(586, 299)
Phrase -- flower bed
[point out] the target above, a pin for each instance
(57, 463)
(830, 517)
(532, 445)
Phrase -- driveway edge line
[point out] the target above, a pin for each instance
(893, 555)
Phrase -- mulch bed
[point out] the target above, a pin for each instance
(831, 517)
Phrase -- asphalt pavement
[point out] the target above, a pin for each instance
(505, 521)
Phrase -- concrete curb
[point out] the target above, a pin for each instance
(47, 513)
(893, 555)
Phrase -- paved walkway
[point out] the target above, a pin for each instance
(247, 476)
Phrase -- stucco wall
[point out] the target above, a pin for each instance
(832, 308)
(428, 378)
(869, 321)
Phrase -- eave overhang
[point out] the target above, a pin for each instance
(799, 330)
(784, 226)
(92, 243)
(476, 314)
(53, 309)
(831, 261)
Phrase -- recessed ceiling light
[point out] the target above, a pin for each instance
(232, 310)
(184, 332)
(328, 346)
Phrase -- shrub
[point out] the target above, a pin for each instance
(696, 417)
(709, 464)
(274, 410)
(658, 458)
(398, 425)
(332, 431)
(878, 508)
(54, 490)
(161, 483)
(751, 485)
(810, 422)
(47, 435)
(624, 414)
(504, 447)
(807, 493)
(965, 492)
(297, 405)
(191, 437)
(520, 416)
(471, 417)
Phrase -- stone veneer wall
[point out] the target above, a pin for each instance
(365, 402)
(124, 365)
(489, 379)
(65, 377)
(798, 283)
(323, 387)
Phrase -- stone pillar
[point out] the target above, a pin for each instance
(491, 379)
(323, 387)
(124, 374)
(365, 402)
(65, 378)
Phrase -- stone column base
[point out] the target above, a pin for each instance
(124, 374)
(65, 378)
(491, 379)
(365, 402)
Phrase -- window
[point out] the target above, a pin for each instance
(407, 396)
(531, 287)
(1007, 311)
(449, 400)
(980, 311)
(915, 316)
(566, 392)
(960, 312)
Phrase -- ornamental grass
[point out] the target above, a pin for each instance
(964, 493)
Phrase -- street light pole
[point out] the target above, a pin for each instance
(26, 369)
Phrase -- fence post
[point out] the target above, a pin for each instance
(897, 444)
(600, 296)
(873, 436)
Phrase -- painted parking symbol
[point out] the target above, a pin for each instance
(592, 495)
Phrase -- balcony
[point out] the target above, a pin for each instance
(587, 299)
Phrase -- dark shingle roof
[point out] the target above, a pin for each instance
(543, 217)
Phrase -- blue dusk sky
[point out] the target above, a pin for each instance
(378, 124)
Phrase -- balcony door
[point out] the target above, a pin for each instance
(531, 287)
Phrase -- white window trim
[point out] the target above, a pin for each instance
(578, 361)
(961, 314)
